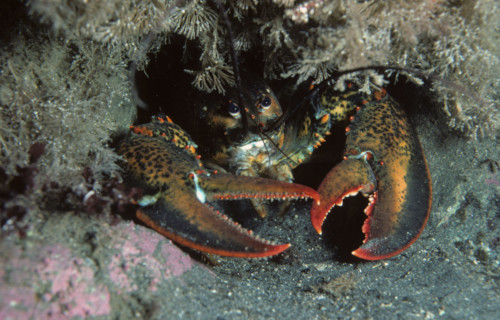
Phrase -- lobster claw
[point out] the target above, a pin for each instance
(383, 159)
(347, 179)
(190, 222)
(161, 159)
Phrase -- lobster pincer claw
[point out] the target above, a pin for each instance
(347, 179)
(383, 159)
(184, 217)
(161, 159)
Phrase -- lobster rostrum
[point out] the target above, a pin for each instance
(161, 159)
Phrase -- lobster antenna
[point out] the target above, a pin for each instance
(426, 75)
(236, 68)
(237, 77)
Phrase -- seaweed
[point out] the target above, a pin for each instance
(15, 192)
(306, 40)
(69, 95)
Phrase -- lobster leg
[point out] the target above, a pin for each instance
(383, 158)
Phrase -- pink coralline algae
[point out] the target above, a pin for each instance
(49, 283)
(141, 249)
(493, 180)
(42, 281)
(72, 285)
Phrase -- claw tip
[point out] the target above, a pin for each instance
(367, 255)
(276, 249)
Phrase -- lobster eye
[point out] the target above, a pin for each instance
(265, 103)
(233, 110)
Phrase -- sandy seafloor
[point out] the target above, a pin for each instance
(73, 266)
